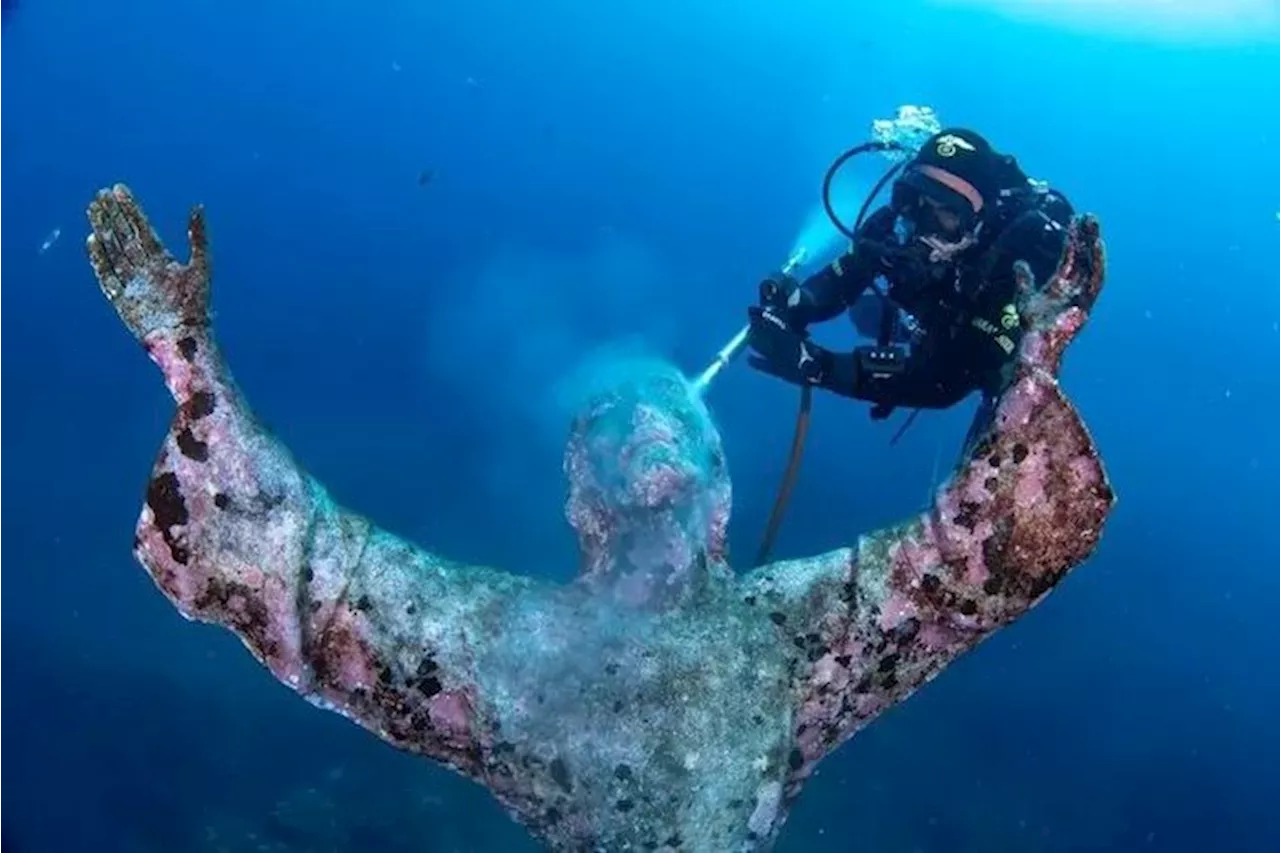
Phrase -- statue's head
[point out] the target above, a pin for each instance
(648, 485)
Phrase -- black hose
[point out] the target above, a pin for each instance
(837, 164)
(789, 477)
(806, 391)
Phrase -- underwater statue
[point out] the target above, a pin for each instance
(659, 702)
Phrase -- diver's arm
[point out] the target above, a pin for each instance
(875, 622)
(828, 292)
(237, 534)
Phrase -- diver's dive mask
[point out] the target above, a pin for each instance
(937, 203)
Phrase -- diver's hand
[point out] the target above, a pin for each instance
(779, 291)
(783, 352)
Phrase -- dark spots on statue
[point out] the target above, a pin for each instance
(611, 669)
(750, 601)
(844, 660)
(242, 609)
(560, 775)
(410, 609)
(164, 497)
(863, 685)
(425, 678)
(268, 501)
(849, 593)
(419, 722)
(199, 405)
(991, 484)
(905, 631)
(967, 517)
(778, 618)
(622, 772)
(811, 644)
(552, 816)
(221, 501)
(757, 720)
(363, 604)
(890, 681)
(994, 460)
(384, 674)
(796, 759)
(1038, 586)
(188, 346)
(617, 706)
(992, 586)
(314, 606)
(321, 662)
(625, 805)
(889, 663)
(968, 607)
(994, 551)
(192, 447)
(308, 574)
(930, 584)
(1019, 453)
(674, 841)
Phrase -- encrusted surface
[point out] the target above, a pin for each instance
(657, 703)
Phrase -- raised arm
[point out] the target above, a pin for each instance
(875, 622)
(237, 534)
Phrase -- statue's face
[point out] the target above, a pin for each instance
(645, 448)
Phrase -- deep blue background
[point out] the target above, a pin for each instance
(600, 174)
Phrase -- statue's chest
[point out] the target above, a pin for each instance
(684, 732)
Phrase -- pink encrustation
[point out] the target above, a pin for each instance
(660, 702)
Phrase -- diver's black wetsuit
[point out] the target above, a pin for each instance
(963, 323)
(944, 252)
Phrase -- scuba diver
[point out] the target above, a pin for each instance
(945, 320)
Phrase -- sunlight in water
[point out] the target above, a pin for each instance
(1190, 21)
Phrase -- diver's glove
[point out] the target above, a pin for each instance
(781, 351)
(779, 291)
(781, 294)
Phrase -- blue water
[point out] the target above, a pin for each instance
(603, 172)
